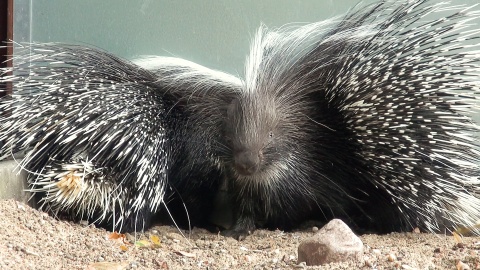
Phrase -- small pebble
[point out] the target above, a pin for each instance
(174, 236)
(368, 263)
(130, 238)
(462, 266)
(214, 245)
(315, 229)
(21, 207)
(302, 265)
(30, 252)
(391, 257)
(84, 223)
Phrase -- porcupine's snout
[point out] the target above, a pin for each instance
(247, 162)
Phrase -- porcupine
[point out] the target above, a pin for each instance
(367, 118)
(108, 141)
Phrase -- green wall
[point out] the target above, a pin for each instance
(215, 33)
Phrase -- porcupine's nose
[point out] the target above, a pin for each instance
(247, 162)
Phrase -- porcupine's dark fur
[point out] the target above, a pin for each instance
(107, 140)
(203, 96)
(366, 118)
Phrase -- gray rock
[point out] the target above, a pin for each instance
(13, 182)
(335, 242)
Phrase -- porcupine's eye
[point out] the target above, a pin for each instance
(270, 136)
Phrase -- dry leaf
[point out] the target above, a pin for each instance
(115, 235)
(457, 237)
(143, 243)
(155, 240)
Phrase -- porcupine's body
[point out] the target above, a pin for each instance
(367, 118)
(107, 140)
(197, 169)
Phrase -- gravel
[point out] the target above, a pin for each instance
(31, 239)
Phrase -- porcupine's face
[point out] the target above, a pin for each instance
(254, 134)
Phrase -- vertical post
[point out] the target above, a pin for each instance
(6, 34)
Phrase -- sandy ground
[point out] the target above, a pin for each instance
(30, 239)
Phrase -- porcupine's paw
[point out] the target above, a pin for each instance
(242, 228)
(237, 233)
